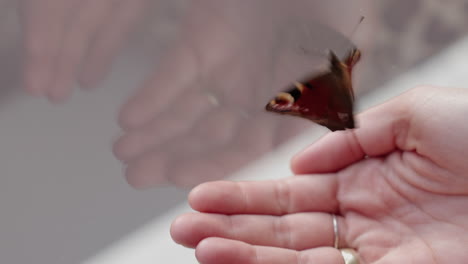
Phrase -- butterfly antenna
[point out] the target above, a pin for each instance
(356, 27)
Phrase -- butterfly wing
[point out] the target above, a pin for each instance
(326, 98)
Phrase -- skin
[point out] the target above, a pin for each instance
(69, 41)
(227, 61)
(398, 183)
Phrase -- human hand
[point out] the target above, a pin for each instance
(201, 114)
(69, 40)
(398, 183)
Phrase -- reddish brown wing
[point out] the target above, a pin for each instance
(326, 98)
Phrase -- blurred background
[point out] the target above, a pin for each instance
(111, 110)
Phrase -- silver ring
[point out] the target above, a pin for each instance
(350, 256)
(336, 240)
(213, 99)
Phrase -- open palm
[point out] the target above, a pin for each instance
(398, 183)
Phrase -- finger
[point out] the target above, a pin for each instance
(295, 231)
(88, 20)
(167, 126)
(148, 171)
(278, 197)
(228, 152)
(135, 143)
(154, 167)
(177, 73)
(382, 129)
(218, 250)
(110, 40)
(43, 24)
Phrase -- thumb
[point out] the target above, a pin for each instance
(381, 130)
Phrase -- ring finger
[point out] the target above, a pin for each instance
(295, 231)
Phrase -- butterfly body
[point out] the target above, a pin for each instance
(325, 98)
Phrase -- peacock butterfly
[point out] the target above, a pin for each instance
(326, 98)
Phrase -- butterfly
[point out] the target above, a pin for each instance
(326, 98)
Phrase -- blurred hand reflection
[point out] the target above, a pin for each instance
(199, 116)
(70, 40)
